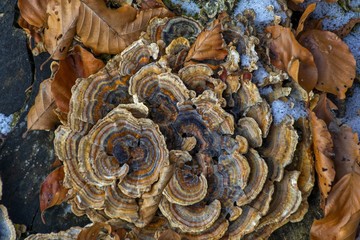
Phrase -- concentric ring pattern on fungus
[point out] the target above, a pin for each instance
(154, 147)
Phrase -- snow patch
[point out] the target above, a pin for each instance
(353, 41)
(281, 109)
(352, 114)
(265, 11)
(187, 6)
(5, 122)
(332, 14)
(260, 74)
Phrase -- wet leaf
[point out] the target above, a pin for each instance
(335, 63)
(209, 45)
(285, 49)
(342, 210)
(79, 63)
(52, 191)
(323, 149)
(41, 115)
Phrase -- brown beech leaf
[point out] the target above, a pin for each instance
(41, 115)
(148, 4)
(342, 210)
(297, 1)
(309, 9)
(169, 234)
(52, 191)
(95, 231)
(346, 29)
(59, 34)
(323, 149)
(34, 11)
(346, 149)
(79, 63)
(335, 63)
(323, 109)
(286, 49)
(209, 45)
(107, 30)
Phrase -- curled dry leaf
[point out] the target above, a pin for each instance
(285, 50)
(41, 115)
(323, 149)
(335, 63)
(52, 191)
(79, 63)
(346, 29)
(342, 211)
(323, 109)
(309, 9)
(209, 45)
(297, 1)
(34, 11)
(96, 231)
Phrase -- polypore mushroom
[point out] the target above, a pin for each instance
(149, 139)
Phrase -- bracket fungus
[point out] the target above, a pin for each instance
(147, 138)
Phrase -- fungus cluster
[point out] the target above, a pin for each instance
(157, 143)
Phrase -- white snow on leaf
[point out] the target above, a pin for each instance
(281, 109)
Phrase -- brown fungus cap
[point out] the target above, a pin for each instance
(149, 139)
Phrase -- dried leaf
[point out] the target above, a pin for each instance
(59, 34)
(335, 63)
(107, 30)
(209, 45)
(52, 191)
(293, 70)
(149, 4)
(323, 109)
(323, 149)
(34, 34)
(342, 211)
(309, 9)
(79, 63)
(34, 11)
(346, 149)
(41, 115)
(169, 234)
(346, 29)
(285, 49)
(297, 1)
(98, 230)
